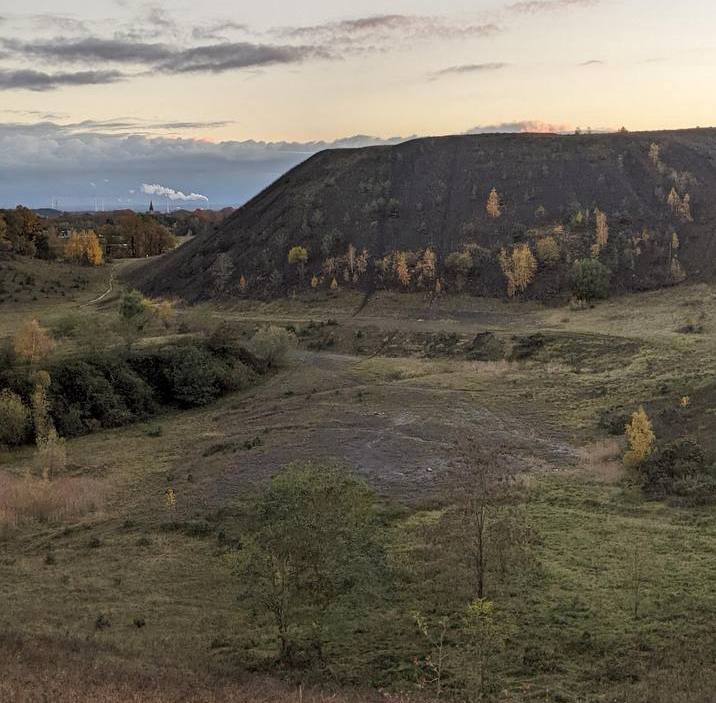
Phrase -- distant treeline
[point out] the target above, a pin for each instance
(91, 238)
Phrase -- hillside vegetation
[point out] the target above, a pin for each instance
(517, 215)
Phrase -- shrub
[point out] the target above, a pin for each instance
(272, 344)
(590, 280)
(679, 467)
(14, 419)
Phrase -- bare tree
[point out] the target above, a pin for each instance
(484, 527)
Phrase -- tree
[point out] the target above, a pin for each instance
(84, 248)
(548, 251)
(311, 542)
(33, 342)
(655, 154)
(602, 232)
(431, 669)
(519, 267)
(51, 454)
(483, 642)
(40, 407)
(484, 531)
(133, 315)
(298, 256)
(401, 269)
(459, 264)
(272, 344)
(590, 280)
(494, 204)
(429, 264)
(681, 207)
(14, 418)
(641, 438)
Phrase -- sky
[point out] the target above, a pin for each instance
(202, 104)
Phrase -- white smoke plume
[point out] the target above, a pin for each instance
(156, 189)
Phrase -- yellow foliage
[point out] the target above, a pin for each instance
(428, 264)
(298, 255)
(84, 248)
(685, 402)
(602, 233)
(314, 282)
(494, 205)
(32, 342)
(641, 438)
(401, 269)
(519, 268)
(170, 498)
(334, 284)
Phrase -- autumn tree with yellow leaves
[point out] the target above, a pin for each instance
(602, 232)
(494, 204)
(84, 248)
(401, 269)
(33, 342)
(519, 267)
(641, 438)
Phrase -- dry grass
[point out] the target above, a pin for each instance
(602, 460)
(43, 669)
(29, 499)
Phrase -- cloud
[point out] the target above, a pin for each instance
(217, 30)
(533, 126)
(132, 126)
(92, 49)
(209, 58)
(40, 81)
(533, 7)
(377, 27)
(172, 194)
(592, 62)
(470, 68)
(228, 56)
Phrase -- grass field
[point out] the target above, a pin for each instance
(139, 597)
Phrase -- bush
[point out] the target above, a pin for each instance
(14, 419)
(678, 467)
(272, 344)
(193, 376)
(590, 280)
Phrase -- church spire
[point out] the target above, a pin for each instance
(151, 206)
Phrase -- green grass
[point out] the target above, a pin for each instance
(572, 635)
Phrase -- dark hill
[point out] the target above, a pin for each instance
(432, 193)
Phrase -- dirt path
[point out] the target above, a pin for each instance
(100, 298)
